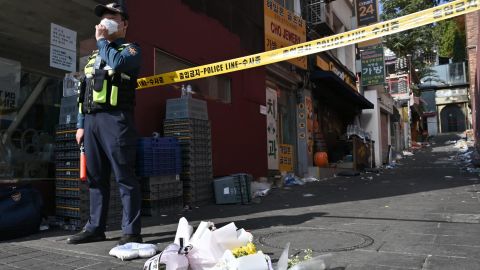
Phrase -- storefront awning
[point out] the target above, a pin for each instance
(329, 81)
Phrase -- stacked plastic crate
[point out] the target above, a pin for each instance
(158, 165)
(71, 194)
(187, 120)
(233, 189)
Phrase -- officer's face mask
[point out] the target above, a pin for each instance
(111, 25)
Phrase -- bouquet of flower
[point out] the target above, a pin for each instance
(249, 249)
(296, 259)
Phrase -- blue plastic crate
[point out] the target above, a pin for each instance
(158, 156)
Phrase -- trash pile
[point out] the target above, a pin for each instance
(209, 248)
(467, 157)
(461, 145)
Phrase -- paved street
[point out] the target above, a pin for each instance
(423, 214)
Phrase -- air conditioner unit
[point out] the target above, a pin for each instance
(315, 12)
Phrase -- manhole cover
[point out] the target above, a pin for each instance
(318, 240)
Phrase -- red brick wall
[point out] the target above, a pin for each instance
(238, 129)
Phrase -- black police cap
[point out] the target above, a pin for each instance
(111, 8)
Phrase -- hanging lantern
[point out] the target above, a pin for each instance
(321, 159)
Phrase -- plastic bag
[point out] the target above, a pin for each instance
(227, 262)
(292, 180)
(258, 261)
(153, 264)
(229, 237)
(310, 179)
(283, 260)
(253, 262)
(259, 189)
(172, 259)
(206, 251)
(133, 250)
(261, 193)
(169, 258)
(182, 237)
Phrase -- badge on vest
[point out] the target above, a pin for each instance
(132, 51)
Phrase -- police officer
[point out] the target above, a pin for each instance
(106, 126)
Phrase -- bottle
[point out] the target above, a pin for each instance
(184, 91)
(83, 163)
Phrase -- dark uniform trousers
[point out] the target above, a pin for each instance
(110, 144)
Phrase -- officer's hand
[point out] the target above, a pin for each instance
(79, 135)
(101, 31)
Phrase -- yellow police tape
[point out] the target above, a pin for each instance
(424, 17)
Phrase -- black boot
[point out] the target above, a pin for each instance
(128, 238)
(86, 237)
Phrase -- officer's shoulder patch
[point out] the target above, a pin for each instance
(132, 50)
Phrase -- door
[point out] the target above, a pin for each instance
(453, 119)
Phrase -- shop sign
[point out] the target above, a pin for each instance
(283, 28)
(404, 114)
(327, 65)
(309, 114)
(272, 137)
(373, 67)
(451, 92)
(366, 12)
(9, 88)
(286, 158)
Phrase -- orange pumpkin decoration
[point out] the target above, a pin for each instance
(321, 159)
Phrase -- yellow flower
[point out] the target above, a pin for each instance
(244, 250)
(251, 249)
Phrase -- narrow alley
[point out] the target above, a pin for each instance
(422, 214)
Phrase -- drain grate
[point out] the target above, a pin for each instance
(318, 240)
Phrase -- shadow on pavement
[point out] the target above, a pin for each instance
(418, 173)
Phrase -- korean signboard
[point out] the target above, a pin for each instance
(272, 138)
(286, 157)
(63, 59)
(9, 88)
(309, 117)
(366, 12)
(63, 48)
(344, 75)
(283, 28)
(373, 67)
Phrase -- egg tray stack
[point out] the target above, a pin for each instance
(71, 194)
(194, 136)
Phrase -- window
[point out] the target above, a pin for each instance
(214, 88)
(29, 112)
(398, 85)
(292, 5)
